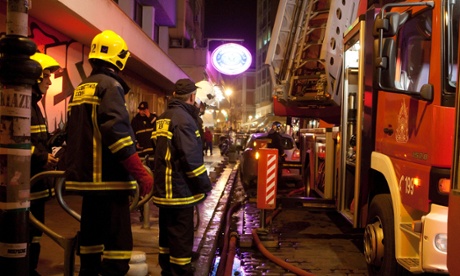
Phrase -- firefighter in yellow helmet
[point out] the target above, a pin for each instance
(42, 159)
(104, 166)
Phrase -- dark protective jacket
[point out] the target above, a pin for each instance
(276, 143)
(99, 135)
(143, 128)
(39, 137)
(180, 176)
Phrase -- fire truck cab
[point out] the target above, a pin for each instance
(392, 155)
(401, 94)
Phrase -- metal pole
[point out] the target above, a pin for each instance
(17, 75)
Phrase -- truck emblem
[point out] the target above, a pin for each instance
(402, 132)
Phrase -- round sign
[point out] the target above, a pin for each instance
(231, 59)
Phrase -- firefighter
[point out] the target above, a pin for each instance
(42, 158)
(104, 160)
(180, 176)
(274, 134)
(143, 125)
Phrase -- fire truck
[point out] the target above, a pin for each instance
(383, 75)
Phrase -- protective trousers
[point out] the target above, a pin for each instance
(105, 233)
(176, 240)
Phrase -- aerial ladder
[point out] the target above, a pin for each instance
(305, 53)
(305, 61)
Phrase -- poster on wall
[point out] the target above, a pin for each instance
(72, 57)
(14, 147)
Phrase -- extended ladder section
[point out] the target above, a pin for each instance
(305, 52)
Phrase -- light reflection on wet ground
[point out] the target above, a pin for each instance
(319, 242)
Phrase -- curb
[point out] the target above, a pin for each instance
(208, 246)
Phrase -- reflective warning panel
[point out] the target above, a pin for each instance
(267, 178)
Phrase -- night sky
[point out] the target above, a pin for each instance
(231, 19)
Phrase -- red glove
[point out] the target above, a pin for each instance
(134, 166)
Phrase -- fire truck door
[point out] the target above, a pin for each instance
(351, 127)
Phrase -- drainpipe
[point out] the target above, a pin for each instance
(17, 75)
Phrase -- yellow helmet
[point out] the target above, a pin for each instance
(110, 47)
(46, 62)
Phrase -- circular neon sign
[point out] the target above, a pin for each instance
(231, 59)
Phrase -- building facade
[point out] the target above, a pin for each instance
(159, 33)
(266, 15)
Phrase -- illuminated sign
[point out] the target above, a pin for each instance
(231, 59)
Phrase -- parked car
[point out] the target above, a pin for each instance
(249, 159)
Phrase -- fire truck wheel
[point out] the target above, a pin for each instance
(379, 240)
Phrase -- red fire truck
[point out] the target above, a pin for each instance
(387, 161)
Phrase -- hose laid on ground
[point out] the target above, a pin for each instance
(224, 252)
(276, 260)
(231, 253)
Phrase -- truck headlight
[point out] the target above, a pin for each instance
(440, 241)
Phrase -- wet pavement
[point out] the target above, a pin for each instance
(319, 242)
(309, 240)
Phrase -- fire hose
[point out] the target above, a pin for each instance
(269, 255)
(229, 249)
(231, 253)
(275, 259)
(224, 256)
